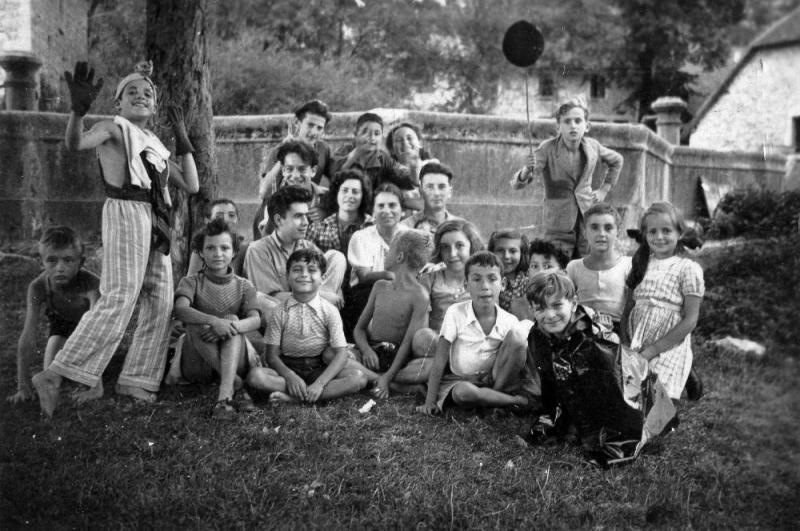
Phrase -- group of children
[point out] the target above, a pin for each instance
(449, 319)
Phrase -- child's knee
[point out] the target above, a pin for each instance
(463, 394)
(424, 343)
(256, 376)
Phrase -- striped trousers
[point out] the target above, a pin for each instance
(131, 274)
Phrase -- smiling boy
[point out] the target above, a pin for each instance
(566, 164)
(136, 270)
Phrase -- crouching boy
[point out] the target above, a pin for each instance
(299, 330)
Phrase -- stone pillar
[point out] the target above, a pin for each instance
(21, 86)
(668, 111)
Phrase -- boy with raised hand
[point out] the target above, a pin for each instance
(300, 329)
(136, 266)
(476, 362)
(65, 290)
(308, 125)
(566, 163)
(436, 187)
(266, 258)
(369, 155)
(395, 311)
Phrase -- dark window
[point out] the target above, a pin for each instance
(796, 123)
(598, 88)
(546, 85)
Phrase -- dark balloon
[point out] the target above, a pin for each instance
(523, 44)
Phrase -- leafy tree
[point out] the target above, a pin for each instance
(663, 37)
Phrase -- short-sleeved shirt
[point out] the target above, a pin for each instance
(265, 263)
(442, 296)
(326, 234)
(368, 250)
(305, 329)
(601, 290)
(423, 222)
(218, 295)
(473, 353)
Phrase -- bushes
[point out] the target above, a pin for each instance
(757, 212)
(753, 291)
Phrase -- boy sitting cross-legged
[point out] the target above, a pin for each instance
(300, 329)
(395, 311)
(484, 366)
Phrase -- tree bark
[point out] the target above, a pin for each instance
(175, 40)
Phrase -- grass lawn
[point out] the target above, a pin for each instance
(733, 462)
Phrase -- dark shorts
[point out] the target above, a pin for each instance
(309, 369)
(60, 327)
(386, 352)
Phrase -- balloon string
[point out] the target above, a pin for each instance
(528, 114)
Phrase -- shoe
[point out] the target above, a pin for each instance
(224, 410)
(694, 386)
(244, 402)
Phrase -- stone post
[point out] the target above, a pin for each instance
(21, 84)
(668, 111)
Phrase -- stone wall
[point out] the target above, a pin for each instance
(756, 111)
(42, 183)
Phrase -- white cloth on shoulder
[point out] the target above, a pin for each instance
(138, 140)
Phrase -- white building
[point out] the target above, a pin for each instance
(757, 106)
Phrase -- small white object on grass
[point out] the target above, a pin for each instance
(740, 346)
(368, 405)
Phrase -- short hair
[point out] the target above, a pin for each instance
(368, 117)
(302, 149)
(308, 255)
(577, 102)
(457, 225)
(215, 227)
(549, 283)
(281, 201)
(313, 107)
(387, 188)
(509, 233)
(331, 199)
(221, 201)
(415, 245)
(602, 209)
(423, 154)
(483, 259)
(547, 248)
(61, 237)
(436, 167)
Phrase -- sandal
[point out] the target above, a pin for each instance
(224, 410)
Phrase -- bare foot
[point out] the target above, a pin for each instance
(93, 393)
(279, 397)
(23, 395)
(46, 384)
(137, 393)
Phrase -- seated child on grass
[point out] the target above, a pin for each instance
(543, 255)
(300, 329)
(218, 308)
(226, 210)
(578, 362)
(475, 365)
(65, 290)
(511, 247)
(395, 311)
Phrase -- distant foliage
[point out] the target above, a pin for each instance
(758, 212)
(753, 292)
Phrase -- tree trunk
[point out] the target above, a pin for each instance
(175, 41)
